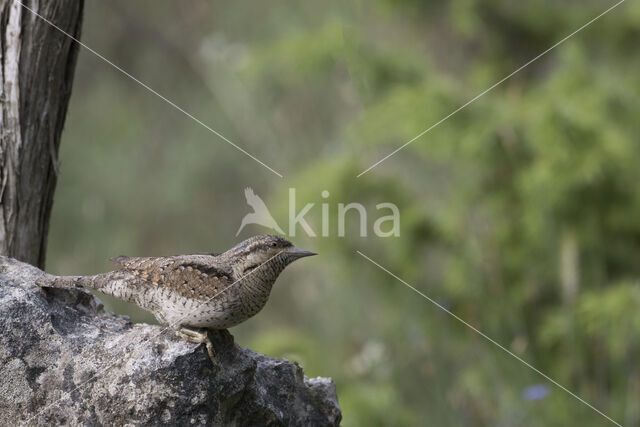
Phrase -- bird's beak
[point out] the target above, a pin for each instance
(299, 253)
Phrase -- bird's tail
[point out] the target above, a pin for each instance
(115, 283)
(65, 282)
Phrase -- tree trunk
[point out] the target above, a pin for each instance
(37, 63)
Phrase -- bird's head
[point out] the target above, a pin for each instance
(259, 250)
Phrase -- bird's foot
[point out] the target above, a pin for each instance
(198, 336)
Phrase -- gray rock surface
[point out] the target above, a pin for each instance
(63, 360)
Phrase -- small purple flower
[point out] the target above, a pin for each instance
(535, 392)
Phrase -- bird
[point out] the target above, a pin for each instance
(260, 214)
(195, 293)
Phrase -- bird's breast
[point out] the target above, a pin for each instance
(225, 310)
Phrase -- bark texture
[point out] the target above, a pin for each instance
(37, 63)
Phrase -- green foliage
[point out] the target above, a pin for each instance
(519, 213)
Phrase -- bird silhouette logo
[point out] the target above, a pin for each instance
(260, 215)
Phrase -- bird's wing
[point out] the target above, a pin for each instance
(128, 262)
(255, 202)
(193, 276)
(249, 194)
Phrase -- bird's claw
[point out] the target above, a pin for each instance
(198, 336)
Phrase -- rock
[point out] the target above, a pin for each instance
(63, 360)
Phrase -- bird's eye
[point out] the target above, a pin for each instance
(274, 244)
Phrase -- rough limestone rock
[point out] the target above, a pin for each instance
(63, 360)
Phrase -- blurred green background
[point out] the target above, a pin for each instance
(521, 213)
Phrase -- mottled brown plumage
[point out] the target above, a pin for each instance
(193, 276)
(213, 291)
